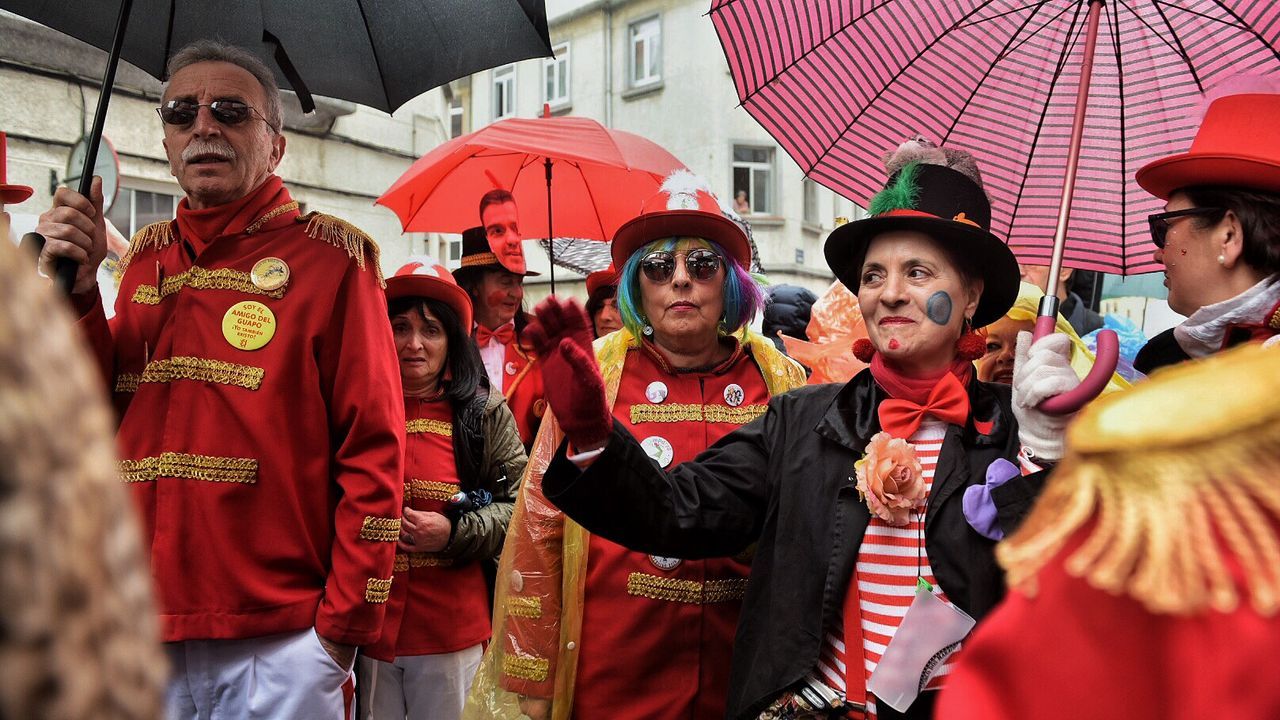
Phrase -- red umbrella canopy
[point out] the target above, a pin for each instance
(600, 178)
(839, 83)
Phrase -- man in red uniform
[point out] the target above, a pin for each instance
(260, 414)
(493, 272)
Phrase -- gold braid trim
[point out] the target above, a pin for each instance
(190, 467)
(380, 529)
(484, 258)
(1165, 520)
(419, 560)
(153, 236)
(193, 368)
(435, 427)
(525, 607)
(198, 278)
(345, 236)
(683, 412)
(271, 215)
(685, 591)
(529, 668)
(377, 590)
(430, 490)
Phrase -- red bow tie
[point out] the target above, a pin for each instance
(947, 401)
(504, 335)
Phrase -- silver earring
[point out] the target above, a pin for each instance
(647, 330)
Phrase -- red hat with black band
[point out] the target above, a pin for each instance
(949, 207)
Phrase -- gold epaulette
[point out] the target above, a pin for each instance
(1174, 482)
(345, 236)
(155, 236)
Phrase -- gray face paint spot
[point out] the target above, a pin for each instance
(939, 308)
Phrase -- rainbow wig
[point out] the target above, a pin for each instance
(743, 297)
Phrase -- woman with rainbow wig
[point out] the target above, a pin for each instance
(583, 627)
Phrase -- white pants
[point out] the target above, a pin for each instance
(417, 687)
(278, 676)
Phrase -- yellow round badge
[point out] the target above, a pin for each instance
(270, 273)
(249, 325)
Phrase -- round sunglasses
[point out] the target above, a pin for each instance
(1160, 222)
(226, 112)
(660, 265)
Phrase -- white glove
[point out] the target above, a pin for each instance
(1040, 371)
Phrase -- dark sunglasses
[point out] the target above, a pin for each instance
(1159, 222)
(226, 112)
(660, 265)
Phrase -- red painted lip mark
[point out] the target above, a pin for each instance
(894, 344)
(896, 320)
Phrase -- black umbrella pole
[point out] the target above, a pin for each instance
(66, 268)
(551, 243)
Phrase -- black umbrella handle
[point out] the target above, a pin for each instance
(65, 269)
(551, 242)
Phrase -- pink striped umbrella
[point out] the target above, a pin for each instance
(838, 82)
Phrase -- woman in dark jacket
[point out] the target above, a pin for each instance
(463, 463)
(854, 495)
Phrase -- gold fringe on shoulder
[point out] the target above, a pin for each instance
(345, 236)
(153, 236)
(1166, 520)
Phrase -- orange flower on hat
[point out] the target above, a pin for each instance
(890, 478)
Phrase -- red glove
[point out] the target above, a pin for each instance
(561, 334)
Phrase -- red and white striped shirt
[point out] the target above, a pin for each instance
(890, 560)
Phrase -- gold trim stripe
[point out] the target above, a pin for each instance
(435, 427)
(430, 490)
(190, 467)
(198, 278)
(380, 529)
(525, 607)
(690, 412)
(686, 591)
(273, 214)
(525, 668)
(420, 560)
(377, 590)
(487, 258)
(193, 368)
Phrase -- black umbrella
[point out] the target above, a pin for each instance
(380, 53)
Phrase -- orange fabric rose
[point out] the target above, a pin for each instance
(890, 478)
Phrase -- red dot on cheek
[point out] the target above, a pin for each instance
(894, 344)
(497, 297)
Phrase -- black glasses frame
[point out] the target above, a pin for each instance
(226, 112)
(1159, 222)
(701, 264)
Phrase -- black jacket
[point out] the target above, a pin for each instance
(786, 482)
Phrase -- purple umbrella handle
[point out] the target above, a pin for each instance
(1094, 383)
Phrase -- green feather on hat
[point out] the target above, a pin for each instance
(901, 193)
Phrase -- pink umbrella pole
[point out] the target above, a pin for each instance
(1108, 343)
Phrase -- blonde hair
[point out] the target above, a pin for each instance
(78, 635)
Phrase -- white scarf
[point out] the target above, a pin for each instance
(1203, 333)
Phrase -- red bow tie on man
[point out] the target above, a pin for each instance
(504, 335)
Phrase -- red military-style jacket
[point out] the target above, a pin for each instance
(657, 633)
(522, 388)
(261, 420)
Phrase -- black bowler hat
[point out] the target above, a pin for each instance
(949, 207)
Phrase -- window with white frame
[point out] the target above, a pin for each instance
(504, 91)
(811, 202)
(457, 116)
(135, 209)
(646, 51)
(753, 175)
(555, 77)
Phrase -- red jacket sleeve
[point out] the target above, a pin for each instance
(96, 331)
(360, 378)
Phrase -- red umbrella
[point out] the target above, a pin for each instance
(593, 178)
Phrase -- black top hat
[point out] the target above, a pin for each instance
(477, 253)
(949, 207)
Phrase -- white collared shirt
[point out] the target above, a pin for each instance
(494, 357)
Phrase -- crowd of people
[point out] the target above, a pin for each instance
(408, 497)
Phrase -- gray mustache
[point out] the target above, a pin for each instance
(222, 150)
